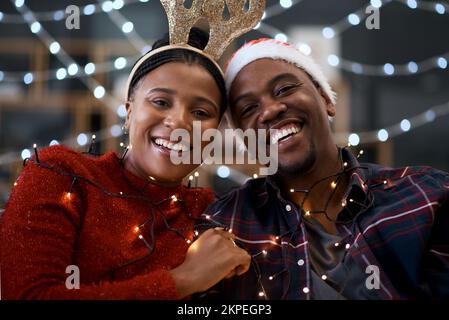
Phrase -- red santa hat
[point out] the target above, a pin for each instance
(276, 50)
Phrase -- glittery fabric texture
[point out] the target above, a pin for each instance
(43, 232)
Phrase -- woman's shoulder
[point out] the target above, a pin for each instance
(65, 158)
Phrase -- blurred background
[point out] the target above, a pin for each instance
(387, 60)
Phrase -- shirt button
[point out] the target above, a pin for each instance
(300, 262)
(288, 207)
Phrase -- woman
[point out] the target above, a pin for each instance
(79, 227)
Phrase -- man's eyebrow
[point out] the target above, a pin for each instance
(241, 97)
(283, 76)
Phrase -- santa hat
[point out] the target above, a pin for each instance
(276, 50)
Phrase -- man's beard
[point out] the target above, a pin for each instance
(299, 167)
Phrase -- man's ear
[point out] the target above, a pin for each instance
(330, 107)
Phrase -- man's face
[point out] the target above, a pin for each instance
(273, 94)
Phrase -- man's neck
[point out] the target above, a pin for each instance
(323, 195)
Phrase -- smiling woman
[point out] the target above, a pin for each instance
(125, 222)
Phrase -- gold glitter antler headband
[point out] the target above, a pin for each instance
(222, 31)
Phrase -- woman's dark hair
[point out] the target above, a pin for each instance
(198, 39)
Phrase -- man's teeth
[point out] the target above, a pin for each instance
(280, 134)
(171, 145)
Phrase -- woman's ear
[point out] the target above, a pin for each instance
(129, 108)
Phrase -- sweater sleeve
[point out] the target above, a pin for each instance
(38, 239)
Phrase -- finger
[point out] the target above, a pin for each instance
(231, 274)
(225, 234)
(244, 266)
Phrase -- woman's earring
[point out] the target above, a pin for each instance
(124, 130)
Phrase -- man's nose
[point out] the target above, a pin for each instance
(271, 110)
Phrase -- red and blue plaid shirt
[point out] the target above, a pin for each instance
(402, 229)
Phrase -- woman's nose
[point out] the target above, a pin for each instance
(178, 118)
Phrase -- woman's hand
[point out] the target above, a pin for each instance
(211, 258)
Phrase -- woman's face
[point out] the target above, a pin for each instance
(168, 98)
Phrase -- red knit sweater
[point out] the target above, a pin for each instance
(43, 232)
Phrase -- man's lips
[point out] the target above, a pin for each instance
(284, 129)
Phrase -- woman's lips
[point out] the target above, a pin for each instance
(166, 147)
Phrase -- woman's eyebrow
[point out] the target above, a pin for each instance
(163, 90)
(207, 101)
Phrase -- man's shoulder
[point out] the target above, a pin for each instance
(416, 172)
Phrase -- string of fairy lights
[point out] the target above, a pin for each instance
(157, 208)
(350, 207)
(59, 15)
(354, 19)
(72, 67)
(112, 8)
(143, 231)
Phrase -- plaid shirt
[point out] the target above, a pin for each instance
(403, 230)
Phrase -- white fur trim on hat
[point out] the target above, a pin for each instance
(276, 50)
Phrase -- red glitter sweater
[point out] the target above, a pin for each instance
(43, 231)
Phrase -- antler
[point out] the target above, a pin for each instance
(181, 19)
(222, 31)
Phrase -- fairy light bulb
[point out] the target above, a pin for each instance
(136, 229)
(188, 241)
(333, 184)
(191, 178)
(324, 277)
(270, 278)
(140, 237)
(307, 214)
(292, 190)
(207, 216)
(261, 294)
(196, 233)
(264, 252)
(174, 198)
(68, 196)
(255, 176)
(196, 174)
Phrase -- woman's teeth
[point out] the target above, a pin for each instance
(283, 133)
(171, 145)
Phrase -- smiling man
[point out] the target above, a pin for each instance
(325, 226)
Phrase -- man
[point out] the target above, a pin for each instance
(325, 226)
